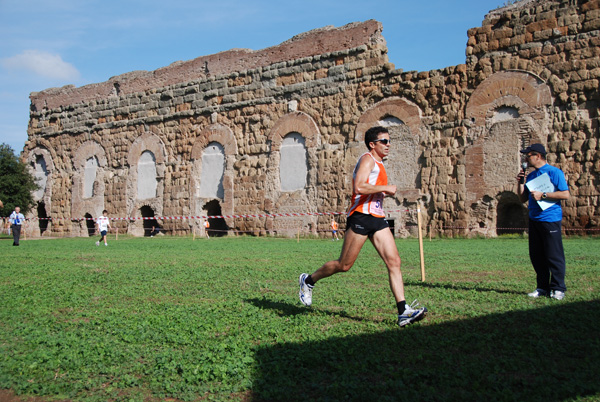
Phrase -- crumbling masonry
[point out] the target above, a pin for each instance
(279, 130)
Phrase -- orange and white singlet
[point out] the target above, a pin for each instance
(370, 204)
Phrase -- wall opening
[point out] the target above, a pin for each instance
(392, 224)
(511, 215)
(149, 223)
(90, 224)
(218, 226)
(42, 217)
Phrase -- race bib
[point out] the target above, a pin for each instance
(376, 206)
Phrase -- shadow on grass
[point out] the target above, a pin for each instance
(284, 309)
(462, 286)
(548, 354)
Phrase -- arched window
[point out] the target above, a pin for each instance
(213, 168)
(293, 167)
(89, 176)
(146, 184)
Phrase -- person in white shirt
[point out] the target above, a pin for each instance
(103, 224)
(16, 220)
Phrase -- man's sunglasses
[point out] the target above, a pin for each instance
(384, 141)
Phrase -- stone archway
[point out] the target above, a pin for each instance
(90, 169)
(149, 222)
(294, 139)
(90, 224)
(214, 144)
(151, 143)
(509, 110)
(218, 226)
(40, 160)
(512, 215)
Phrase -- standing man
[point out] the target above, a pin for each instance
(334, 229)
(16, 220)
(366, 220)
(545, 215)
(103, 224)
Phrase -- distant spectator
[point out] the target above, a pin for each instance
(17, 220)
(206, 226)
(103, 224)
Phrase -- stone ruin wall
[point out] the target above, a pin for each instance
(531, 74)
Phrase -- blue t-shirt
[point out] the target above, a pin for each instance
(553, 213)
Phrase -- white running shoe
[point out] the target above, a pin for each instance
(97, 243)
(412, 313)
(305, 293)
(538, 293)
(557, 294)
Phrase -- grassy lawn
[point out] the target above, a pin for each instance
(171, 318)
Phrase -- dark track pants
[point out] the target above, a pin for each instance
(16, 232)
(547, 255)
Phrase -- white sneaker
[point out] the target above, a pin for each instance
(557, 294)
(305, 293)
(412, 313)
(106, 244)
(538, 293)
(97, 243)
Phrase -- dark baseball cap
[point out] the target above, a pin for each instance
(539, 148)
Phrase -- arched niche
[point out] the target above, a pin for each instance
(509, 110)
(293, 141)
(90, 172)
(215, 147)
(40, 158)
(148, 145)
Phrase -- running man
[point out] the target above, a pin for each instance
(366, 220)
(334, 230)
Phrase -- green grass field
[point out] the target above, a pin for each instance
(174, 319)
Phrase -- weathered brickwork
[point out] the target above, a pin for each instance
(531, 74)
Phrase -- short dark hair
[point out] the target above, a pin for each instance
(104, 212)
(372, 134)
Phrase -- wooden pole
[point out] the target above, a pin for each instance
(193, 233)
(298, 241)
(116, 233)
(421, 243)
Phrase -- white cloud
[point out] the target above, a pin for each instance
(43, 64)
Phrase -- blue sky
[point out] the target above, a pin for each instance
(45, 44)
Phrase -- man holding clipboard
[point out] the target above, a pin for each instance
(544, 188)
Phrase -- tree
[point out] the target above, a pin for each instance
(17, 184)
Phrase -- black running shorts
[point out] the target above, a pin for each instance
(364, 224)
